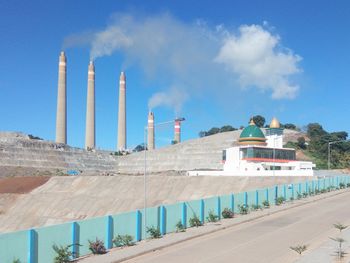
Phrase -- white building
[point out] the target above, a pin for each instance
(258, 155)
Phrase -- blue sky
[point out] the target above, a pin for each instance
(213, 64)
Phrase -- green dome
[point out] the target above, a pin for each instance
(252, 131)
(252, 135)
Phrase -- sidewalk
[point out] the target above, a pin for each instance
(147, 246)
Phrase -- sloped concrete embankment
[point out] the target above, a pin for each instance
(63, 199)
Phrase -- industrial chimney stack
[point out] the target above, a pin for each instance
(122, 114)
(177, 129)
(150, 139)
(61, 114)
(90, 109)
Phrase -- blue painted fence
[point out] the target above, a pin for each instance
(35, 245)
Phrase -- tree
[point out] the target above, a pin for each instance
(289, 126)
(213, 130)
(139, 148)
(342, 135)
(259, 120)
(301, 143)
(202, 134)
(315, 130)
(227, 128)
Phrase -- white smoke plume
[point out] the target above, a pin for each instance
(201, 58)
(173, 98)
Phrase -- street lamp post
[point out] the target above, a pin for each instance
(145, 169)
(329, 151)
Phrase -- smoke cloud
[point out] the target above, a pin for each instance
(173, 98)
(197, 57)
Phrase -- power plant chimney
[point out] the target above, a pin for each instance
(90, 109)
(177, 129)
(150, 138)
(61, 114)
(122, 114)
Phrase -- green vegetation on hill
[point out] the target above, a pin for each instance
(317, 148)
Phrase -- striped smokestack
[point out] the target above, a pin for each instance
(122, 114)
(150, 127)
(61, 114)
(177, 129)
(90, 109)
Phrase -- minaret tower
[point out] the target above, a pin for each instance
(122, 114)
(150, 134)
(61, 114)
(90, 109)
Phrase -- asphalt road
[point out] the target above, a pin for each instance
(263, 240)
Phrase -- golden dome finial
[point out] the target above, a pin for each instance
(251, 122)
(275, 123)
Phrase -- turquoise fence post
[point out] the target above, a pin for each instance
(75, 240)
(299, 188)
(293, 191)
(324, 183)
(109, 229)
(267, 194)
(32, 246)
(337, 181)
(285, 192)
(246, 199)
(276, 193)
(202, 211)
(218, 206)
(318, 184)
(162, 220)
(184, 215)
(232, 202)
(138, 226)
(257, 198)
(307, 187)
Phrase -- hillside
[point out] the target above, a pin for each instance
(20, 155)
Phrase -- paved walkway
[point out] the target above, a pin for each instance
(262, 236)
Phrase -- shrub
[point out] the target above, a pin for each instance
(291, 198)
(227, 213)
(97, 247)
(180, 227)
(348, 185)
(153, 232)
(63, 254)
(256, 207)
(16, 260)
(194, 221)
(212, 217)
(299, 196)
(317, 191)
(299, 249)
(341, 185)
(280, 200)
(340, 226)
(266, 204)
(243, 209)
(123, 241)
(305, 194)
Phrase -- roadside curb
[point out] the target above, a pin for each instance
(239, 221)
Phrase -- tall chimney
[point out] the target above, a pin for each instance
(150, 139)
(90, 109)
(122, 114)
(177, 129)
(61, 114)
